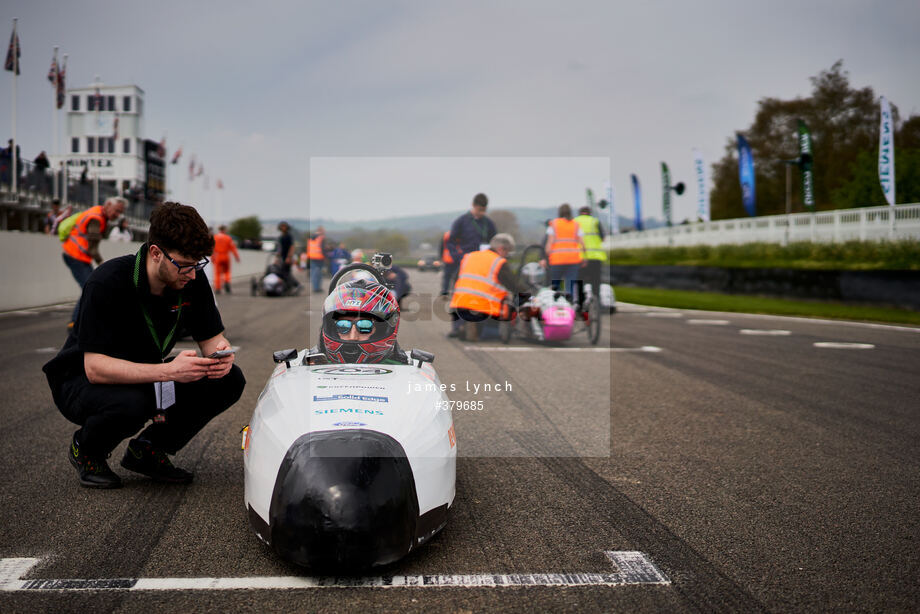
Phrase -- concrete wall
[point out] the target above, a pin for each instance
(33, 274)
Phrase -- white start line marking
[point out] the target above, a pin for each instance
(843, 346)
(765, 332)
(513, 348)
(709, 322)
(632, 568)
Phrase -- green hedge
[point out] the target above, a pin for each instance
(852, 255)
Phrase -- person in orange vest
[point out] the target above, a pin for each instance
(565, 249)
(450, 265)
(81, 247)
(483, 285)
(317, 256)
(223, 247)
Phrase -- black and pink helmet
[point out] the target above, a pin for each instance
(367, 298)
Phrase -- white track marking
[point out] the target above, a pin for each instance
(763, 316)
(46, 350)
(663, 314)
(843, 346)
(518, 348)
(632, 568)
(709, 322)
(765, 332)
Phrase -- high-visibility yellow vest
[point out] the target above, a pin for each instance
(591, 229)
(477, 288)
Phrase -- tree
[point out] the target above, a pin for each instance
(246, 228)
(505, 221)
(844, 126)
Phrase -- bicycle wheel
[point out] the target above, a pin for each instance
(594, 320)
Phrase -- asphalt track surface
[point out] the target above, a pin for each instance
(757, 471)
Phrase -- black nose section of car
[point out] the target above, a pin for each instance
(344, 500)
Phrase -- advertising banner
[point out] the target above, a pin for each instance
(637, 199)
(805, 162)
(702, 191)
(666, 193)
(746, 175)
(886, 152)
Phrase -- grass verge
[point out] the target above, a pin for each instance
(711, 301)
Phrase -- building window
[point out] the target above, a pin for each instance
(75, 143)
(126, 146)
(140, 106)
(74, 103)
(126, 104)
(90, 144)
(111, 101)
(111, 141)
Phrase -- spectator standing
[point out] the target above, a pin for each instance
(317, 258)
(338, 258)
(564, 247)
(81, 247)
(448, 263)
(223, 247)
(112, 376)
(55, 216)
(593, 237)
(41, 171)
(121, 233)
(286, 252)
(472, 231)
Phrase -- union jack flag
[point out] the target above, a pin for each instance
(61, 78)
(53, 72)
(13, 53)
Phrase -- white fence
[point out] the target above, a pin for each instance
(861, 224)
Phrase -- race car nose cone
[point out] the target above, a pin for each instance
(344, 500)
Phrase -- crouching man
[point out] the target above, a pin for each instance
(112, 377)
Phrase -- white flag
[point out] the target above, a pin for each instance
(613, 222)
(702, 189)
(886, 152)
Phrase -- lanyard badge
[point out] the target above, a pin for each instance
(165, 391)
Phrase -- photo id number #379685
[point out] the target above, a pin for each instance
(460, 405)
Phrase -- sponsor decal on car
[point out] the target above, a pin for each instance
(351, 387)
(352, 397)
(352, 424)
(351, 370)
(349, 410)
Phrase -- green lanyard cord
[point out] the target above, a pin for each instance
(150, 326)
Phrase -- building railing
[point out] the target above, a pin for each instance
(884, 223)
(25, 210)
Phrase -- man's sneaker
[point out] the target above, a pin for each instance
(227, 286)
(141, 457)
(94, 472)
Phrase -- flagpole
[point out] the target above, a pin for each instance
(14, 170)
(54, 128)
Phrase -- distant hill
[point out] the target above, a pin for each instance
(531, 221)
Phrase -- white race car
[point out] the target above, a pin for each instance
(348, 466)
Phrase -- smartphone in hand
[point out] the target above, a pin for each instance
(221, 353)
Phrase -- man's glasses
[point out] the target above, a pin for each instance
(187, 268)
(364, 326)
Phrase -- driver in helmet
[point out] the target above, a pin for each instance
(360, 321)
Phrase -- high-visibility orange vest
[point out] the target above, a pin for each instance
(446, 258)
(477, 287)
(77, 244)
(223, 246)
(564, 248)
(315, 249)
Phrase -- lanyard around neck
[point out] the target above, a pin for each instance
(153, 332)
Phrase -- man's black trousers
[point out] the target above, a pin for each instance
(109, 414)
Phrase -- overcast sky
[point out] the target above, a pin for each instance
(394, 101)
